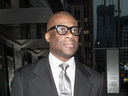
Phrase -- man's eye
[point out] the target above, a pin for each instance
(62, 29)
(74, 30)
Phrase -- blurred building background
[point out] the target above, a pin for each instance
(103, 44)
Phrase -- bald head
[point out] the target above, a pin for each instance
(52, 19)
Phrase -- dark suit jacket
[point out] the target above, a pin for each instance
(36, 80)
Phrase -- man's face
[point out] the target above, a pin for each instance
(63, 46)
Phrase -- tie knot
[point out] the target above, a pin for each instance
(64, 66)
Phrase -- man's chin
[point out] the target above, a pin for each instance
(69, 55)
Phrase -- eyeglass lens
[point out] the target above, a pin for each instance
(64, 29)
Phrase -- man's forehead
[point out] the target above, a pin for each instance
(53, 19)
(64, 14)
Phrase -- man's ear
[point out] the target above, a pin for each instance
(47, 36)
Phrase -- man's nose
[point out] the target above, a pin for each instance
(69, 34)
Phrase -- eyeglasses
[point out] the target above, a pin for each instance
(62, 29)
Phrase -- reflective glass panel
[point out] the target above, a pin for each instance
(123, 70)
(112, 23)
(124, 23)
(99, 26)
(10, 67)
(100, 61)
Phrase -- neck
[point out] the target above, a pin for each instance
(62, 58)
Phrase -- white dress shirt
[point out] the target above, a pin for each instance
(54, 63)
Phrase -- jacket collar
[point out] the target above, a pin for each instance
(83, 86)
(44, 62)
(44, 82)
(41, 65)
(82, 68)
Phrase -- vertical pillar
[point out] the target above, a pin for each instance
(18, 57)
(23, 32)
(15, 4)
(3, 91)
(72, 10)
(34, 57)
(0, 4)
(112, 71)
(63, 2)
(17, 31)
(82, 33)
(16, 28)
(91, 30)
(43, 31)
(33, 32)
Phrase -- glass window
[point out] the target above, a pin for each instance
(100, 61)
(105, 21)
(99, 27)
(123, 23)
(10, 70)
(123, 69)
(110, 27)
(112, 23)
(5, 4)
(9, 65)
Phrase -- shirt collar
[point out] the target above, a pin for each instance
(55, 62)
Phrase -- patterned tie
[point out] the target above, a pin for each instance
(64, 81)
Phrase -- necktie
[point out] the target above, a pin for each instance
(64, 81)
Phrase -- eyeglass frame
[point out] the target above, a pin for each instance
(56, 26)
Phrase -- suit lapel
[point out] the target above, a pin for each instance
(83, 86)
(45, 85)
(44, 82)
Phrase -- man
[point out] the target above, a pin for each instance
(43, 78)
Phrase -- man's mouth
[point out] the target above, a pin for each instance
(70, 45)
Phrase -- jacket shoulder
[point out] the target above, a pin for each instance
(92, 72)
(27, 68)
